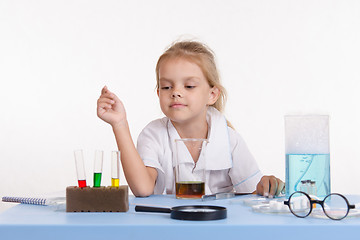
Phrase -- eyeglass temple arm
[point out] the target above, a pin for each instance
(353, 206)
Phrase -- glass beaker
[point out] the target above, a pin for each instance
(190, 167)
(307, 154)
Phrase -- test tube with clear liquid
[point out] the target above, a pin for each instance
(115, 168)
(80, 168)
(307, 154)
(98, 164)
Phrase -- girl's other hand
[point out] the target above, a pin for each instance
(110, 108)
(270, 186)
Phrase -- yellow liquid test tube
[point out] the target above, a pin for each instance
(115, 182)
(115, 166)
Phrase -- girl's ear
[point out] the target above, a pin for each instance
(157, 91)
(214, 95)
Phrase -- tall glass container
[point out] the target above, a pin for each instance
(307, 154)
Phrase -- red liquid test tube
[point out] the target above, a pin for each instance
(80, 169)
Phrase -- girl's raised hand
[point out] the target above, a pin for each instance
(110, 108)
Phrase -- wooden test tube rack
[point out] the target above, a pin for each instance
(100, 199)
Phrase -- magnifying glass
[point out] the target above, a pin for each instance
(189, 212)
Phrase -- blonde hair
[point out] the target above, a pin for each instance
(202, 56)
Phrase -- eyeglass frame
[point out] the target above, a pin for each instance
(321, 203)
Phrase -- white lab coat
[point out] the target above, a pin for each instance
(229, 163)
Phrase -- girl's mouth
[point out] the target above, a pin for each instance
(177, 105)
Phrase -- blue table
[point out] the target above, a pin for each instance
(43, 222)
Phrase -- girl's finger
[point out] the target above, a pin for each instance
(108, 94)
(106, 100)
(280, 187)
(265, 186)
(273, 186)
(259, 189)
(104, 105)
(104, 90)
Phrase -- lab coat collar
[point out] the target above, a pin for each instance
(218, 154)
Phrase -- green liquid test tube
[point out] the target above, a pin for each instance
(98, 163)
(97, 179)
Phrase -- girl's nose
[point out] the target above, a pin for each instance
(176, 94)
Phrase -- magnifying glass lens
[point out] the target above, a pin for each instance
(198, 210)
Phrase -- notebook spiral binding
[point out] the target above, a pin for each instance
(25, 200)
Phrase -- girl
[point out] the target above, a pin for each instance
(192, 98)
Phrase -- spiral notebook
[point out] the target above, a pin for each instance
(36, 201)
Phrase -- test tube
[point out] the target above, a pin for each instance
(115, 165)
(98, 163)
(80, 169)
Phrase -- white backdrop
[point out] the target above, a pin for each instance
(275, 58)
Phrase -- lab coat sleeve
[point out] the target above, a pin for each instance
(149, 148)
(245, 173)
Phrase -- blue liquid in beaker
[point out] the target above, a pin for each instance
(305, 167)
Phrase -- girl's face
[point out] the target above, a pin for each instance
(184, 92)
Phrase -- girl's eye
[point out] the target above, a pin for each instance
(189, 87)
(165, 88)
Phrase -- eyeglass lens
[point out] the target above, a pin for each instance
(299, 204)
(335, 205)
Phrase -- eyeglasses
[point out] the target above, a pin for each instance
(334, 205)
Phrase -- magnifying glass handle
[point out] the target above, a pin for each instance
(140, 208)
